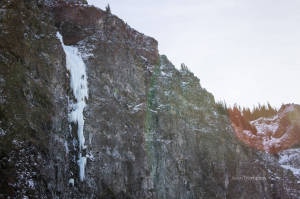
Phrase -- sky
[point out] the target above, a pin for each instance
(243, 51)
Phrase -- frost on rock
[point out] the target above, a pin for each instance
(266, 125)
(2, 132)
(290, 159)
(78, 83)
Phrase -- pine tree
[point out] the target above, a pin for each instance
(107, 9)
(184, 67)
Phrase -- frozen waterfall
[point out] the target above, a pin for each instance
(78, 83)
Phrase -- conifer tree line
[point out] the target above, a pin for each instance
(260, 110)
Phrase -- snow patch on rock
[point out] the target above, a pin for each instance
(290, 159)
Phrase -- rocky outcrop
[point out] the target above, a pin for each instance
(151, 131)
(77, 22)
(269, 134)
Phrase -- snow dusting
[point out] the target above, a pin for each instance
(266, 125)
(2, 132)
(78, 83)
(288, 108)
(290, 159)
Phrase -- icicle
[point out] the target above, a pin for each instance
(78, 83)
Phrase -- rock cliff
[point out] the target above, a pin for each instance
(150, 130)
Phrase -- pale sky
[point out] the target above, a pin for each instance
(243, 51)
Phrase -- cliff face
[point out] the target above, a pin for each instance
(150, 130)
(33, 98)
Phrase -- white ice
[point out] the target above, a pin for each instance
(81, 162)
(71, 182)
(78, 83)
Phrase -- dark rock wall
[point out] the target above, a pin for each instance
(33, 103)
(151, 131)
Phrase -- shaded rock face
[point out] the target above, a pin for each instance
(151, 131)
(32, 107)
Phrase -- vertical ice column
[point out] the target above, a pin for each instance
(78, 83)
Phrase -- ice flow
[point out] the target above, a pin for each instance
(78, 83)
